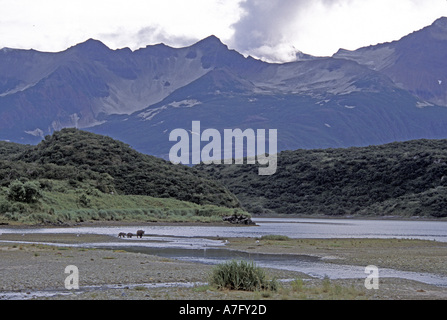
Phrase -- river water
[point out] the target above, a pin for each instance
(189, 243)
(293, 228)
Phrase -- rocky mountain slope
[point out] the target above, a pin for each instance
(375, 95)
(417, 62)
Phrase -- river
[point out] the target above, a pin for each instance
(190, 243)
(293, 228)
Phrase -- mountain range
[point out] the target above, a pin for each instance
(374, 95)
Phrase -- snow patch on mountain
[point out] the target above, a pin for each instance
(184, 104)
(423, 104)
(149, 114)
(17, 89)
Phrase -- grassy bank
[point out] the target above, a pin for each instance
(60, 202)
(400, 254)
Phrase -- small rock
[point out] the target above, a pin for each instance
(238, 219)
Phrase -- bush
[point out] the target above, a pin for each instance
(5, 206)
(28, 192)
(84, 200)
(16, 191)
(241, 275)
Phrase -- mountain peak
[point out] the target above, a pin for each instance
(441, 23)
(438, 30)
(91, 45)
(441, 19)
(211, 41)
(93, 49)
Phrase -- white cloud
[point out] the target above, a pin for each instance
(271, 29)
(54, 25)
(350, 24)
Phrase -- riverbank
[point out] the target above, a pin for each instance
(401, 254)
(27, 268)
(351, 216)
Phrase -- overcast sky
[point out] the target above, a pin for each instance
(268, 29)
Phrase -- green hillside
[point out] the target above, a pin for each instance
(77, 176)
(402, 178)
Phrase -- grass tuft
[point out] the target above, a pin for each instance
(241, 275)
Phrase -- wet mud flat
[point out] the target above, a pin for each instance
(37, 271)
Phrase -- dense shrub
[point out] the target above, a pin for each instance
(28, 192)
(373, 180)
(242, 275)
(79, 156)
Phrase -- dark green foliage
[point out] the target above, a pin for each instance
(84, 201)
(112, 166)
(9, 150)
(28, 192)
(402, 178)
(241, 275)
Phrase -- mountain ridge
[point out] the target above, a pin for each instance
(416, 62)
(139, 96)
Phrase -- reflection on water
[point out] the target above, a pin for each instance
(353, 228)
(293, 228)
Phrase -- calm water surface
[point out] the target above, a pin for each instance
(293, 228)
(189, 243)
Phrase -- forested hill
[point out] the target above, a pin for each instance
(77, 156)
(402, 178)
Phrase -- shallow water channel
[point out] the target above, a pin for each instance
(189, 243)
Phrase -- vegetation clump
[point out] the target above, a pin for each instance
(241, 275)
(28, 192)
(275, 237)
